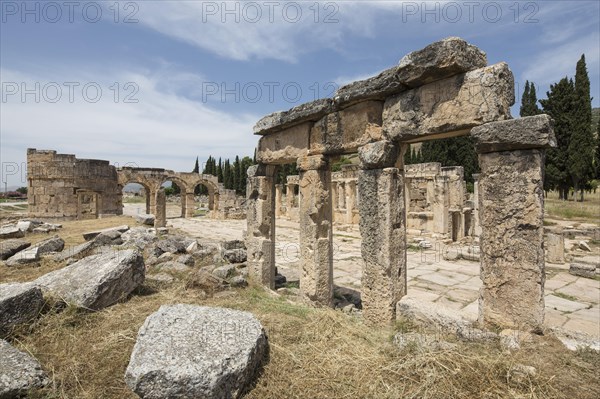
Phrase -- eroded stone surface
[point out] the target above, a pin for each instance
(92, 234)
(10, 247)
(19, 303)
(19, 372)
(511, 203)
(383, 248)
(280, 120)
(316, 246)
(378, 155)
(188, 351)
(97, 281)
(451, 106)
(516, 134)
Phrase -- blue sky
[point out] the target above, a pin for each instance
(157, 83)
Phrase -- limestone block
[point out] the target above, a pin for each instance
(284, 146)
(451, 106)
(260, 208)
(316, 234)
(10, 247)
(383, 247)
(11, 232)
(523, 133)
(160, 215)
(375, 88)
(92, 234)
(188, 351)
(555, 245)
(378, 155)
(19, 303)
(311, 111)
(19, 372)
(97, 281)
(448, 57)
(584, 270)
(511, 208)
(346, 130)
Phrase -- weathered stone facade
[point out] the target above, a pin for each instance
(60, 186)
(443, 90)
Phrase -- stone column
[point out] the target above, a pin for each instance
(160, 215)
(556, 248)
(183, 199)
(190, 204)
(316, 230)
(289, 199)
(334, 195)
(260, 233)
(148, 196)
(476, 225)
(152, 194)
(278, 199)
(350, 201)
(383, 231)
(511, 206)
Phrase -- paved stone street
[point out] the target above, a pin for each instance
(571, 302)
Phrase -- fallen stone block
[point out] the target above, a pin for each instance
(235, 255)
(33, 254)
(91, 234)
(97, 281)
(145, 218)
(171, 244)
(173, 266)
(188, 351)
(25, 225)
(11, 232)
(431, 315)
(224, 272)
(19, 372)
(10, 247)
(19, 303)
(584, 270)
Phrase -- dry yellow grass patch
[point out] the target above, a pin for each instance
(314, 353)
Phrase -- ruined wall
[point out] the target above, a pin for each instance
(62, 186)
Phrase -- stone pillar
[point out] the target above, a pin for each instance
(278, 199)
(556, 248)
(511, 211)
(350, 201)
(289, 200)
(160, 215)
(190, 204)
(334, 195)
(260, 233)
(383, 231)
(316, 230)
(152, 194)
(183, 199)
(476, 225)
(148, 196)
(341, 197)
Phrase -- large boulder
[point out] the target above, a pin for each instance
(171, 244)
(188, 351)
(19, 372)
(10, 247)
(19, 303)
(145, 218)
(97, 281)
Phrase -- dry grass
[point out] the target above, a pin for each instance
(586, 211)
(72, 233)
(314, 353)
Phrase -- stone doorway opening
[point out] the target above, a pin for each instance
(175, 192)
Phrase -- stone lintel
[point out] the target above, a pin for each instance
(378, 155)
(439, 60)
(284, 146)
(515, 134)
(450, 107)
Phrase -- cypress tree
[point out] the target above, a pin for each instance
(525, 100)
(220, 171)
(581, 145)
(559, 104)
(196, 167)
(598, 151)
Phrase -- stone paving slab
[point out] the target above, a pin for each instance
(562, 304)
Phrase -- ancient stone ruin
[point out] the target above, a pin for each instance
(444, 90)
(63, 187)
(437, 201)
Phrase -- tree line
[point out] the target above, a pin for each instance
(573, 165)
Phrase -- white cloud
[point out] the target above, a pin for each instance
(163, 129)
